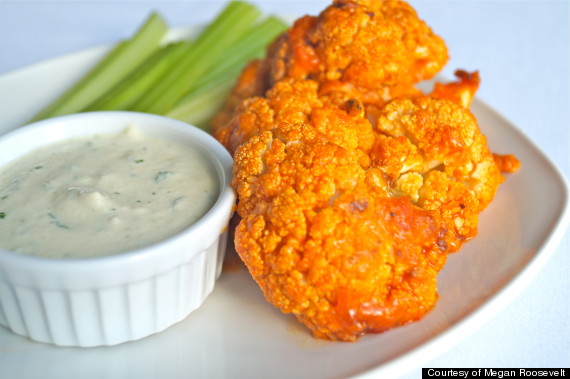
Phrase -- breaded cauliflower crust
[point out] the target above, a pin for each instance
(353, 186)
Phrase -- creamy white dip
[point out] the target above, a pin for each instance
(103, 195)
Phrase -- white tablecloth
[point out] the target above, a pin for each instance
(522, 50)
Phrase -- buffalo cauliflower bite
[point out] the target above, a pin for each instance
(324, 241)
(374, 45)
(295, 114)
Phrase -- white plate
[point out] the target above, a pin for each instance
(237, 333)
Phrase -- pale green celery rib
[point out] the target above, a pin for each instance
(227, 28)
(142, 79)
(106, 75)
(98, 67)
(251, 45)
(199, 109)
(216, 83)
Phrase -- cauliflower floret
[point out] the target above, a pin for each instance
(374, 45)
(441, 141)
(325, 242)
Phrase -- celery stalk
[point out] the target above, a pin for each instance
(227, 28)
(45, 112)
(188, 80)
(106, 75)
(143, 79)
(212, 88)
(251, 45)
(199, 107)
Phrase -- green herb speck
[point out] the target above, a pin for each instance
(139, 161)
(60, 225)
(3, 197)
(56, 222)
(2, 215)
(38, 167)
(177, 200)
(161, 176)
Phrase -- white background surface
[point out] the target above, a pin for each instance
(522, 50)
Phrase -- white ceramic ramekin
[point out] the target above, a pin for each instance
(123, 297)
